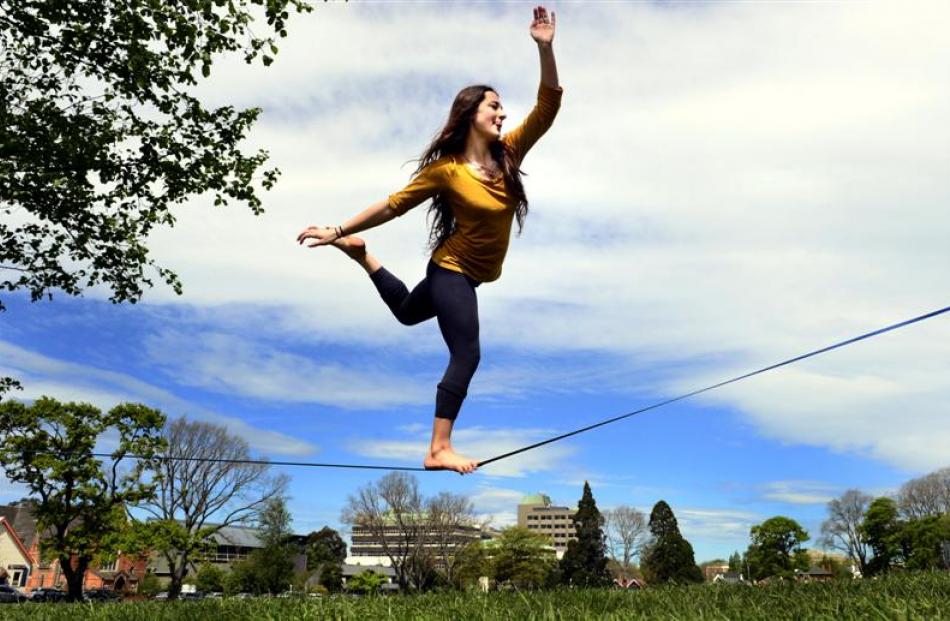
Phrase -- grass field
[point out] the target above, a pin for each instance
(905, 597)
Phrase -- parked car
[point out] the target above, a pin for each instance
(47, 594)
(191, 595)
(101, 595)
(10, 595)
(162, 596)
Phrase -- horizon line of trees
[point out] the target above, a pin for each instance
(85, 507)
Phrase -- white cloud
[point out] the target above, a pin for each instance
(226, 363)
(496, 505)
(68, 381)
(799, 492)
(727, 184)
(716, 525)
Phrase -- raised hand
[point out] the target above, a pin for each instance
(542, 26)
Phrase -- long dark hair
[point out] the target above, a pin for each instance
(451, 141)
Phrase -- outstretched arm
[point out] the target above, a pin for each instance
(542, 31)
(374, 215)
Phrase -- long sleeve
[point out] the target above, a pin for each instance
(429, 182)
(523, 137)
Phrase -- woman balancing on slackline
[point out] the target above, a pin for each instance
(471, 173)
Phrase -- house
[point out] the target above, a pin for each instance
(729, 577)
(712, 570)
(630, 583)
(232, 544)
(388, 572)
(25, 568)
(814, 574)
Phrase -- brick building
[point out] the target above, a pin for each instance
(25, 569)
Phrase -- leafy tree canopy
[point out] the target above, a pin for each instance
(48, 447)
(100, 137)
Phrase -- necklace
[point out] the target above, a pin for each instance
(489, 172)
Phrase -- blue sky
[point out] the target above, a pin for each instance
(727, 185)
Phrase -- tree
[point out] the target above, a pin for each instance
(78, 504)
(922, 542)
(522, 559)
(842, 529)
(668, 557)
(204, 480)
(447, 514)
(209, 579)
(776, 548)
(471, 564)
(272, 566)
(391, 510)
(326, 552)
(625, 528)
(100, 137)
(735, 562)
(585, 562)
(925, 496)
(881, 529)
(367, 581)
(149, 585)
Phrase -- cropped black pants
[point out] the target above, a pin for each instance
(450, 297)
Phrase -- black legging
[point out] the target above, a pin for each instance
(450, 296)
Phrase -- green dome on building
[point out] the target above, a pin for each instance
(536, 499)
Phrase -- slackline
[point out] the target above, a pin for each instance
(485, 462)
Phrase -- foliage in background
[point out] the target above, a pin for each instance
(668, 557)
(211, 489)
(842, 530)
(100, 138)
(326, 552)
(585, 562)
(522, 559)
(78, 504)
(367, 581)
(776, 548)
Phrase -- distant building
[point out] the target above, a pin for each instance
(536, 512)
(21, 562)
(729, 577)
(814, 573)
(384, 570)
(367, 549)
(711, 571)
(232, 544)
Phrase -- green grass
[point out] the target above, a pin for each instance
(905, 597)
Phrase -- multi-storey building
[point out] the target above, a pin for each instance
(536, 512)
(368, 548)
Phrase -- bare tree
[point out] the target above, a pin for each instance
(626, 529)
(390, 511)
(203, 491)
(926, 495)
(448, 515)
(842, 531)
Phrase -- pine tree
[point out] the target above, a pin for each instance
(669, 557)
(735, 562)
(585, 561)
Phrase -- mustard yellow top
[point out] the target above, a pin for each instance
(484, 211)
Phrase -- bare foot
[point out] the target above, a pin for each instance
(447, 459)
(353, 247)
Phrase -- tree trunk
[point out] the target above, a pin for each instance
(177, 578)
(74, 576)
